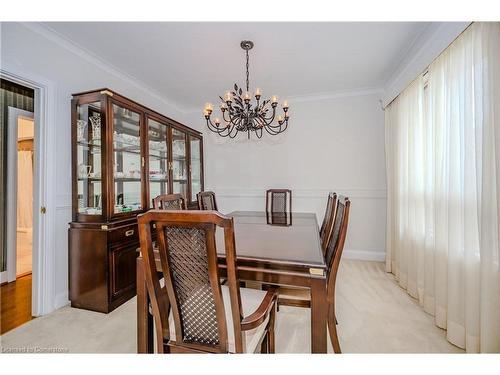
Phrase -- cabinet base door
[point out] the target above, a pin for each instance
(122, 270)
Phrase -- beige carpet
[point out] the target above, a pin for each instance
(375, 316)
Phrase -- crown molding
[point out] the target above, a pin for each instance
(68, 44)
(364, 91)
(316, 97)
(427, 46)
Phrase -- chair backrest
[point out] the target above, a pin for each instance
(187, 250)
(331, 207)
(337, 232)
(279, 201)
(279, 219)
(206, 200)
(169, 202)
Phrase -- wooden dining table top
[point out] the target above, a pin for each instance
(296, 244)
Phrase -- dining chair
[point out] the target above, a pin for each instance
(197, 314)
(169, 202)
(332, 258)
(335, 230)
(300, 297)
(206, 200)
(279, 201)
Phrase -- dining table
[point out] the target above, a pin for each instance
(271, 250)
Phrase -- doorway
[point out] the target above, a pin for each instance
(17, 177)
(20, 155)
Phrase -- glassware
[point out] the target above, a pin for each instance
(80, 130)
(95, 120)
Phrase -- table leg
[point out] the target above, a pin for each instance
(144, 318)
(319, 312)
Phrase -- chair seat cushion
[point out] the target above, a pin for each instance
(250, 301)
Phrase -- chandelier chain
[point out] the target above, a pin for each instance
(248, 73)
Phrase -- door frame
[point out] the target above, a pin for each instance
(44, 186)
(12, 177)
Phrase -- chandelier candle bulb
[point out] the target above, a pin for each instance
(228, 97)
(257, 93)
(285, 105)
(274, 99)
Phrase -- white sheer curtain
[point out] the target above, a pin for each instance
(443, 169)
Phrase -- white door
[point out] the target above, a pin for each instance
(15, 117)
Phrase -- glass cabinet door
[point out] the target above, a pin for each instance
(179, 163)
(158, 159)
(127, 160)
(88, 150)
(195, 166)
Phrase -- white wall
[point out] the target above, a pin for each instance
(331, 144)
(27, 50)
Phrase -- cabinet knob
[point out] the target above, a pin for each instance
(129, 233)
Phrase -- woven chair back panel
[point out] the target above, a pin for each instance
(208, 202)
(278, 202)
(187, 255)
(171, 205)
(326, 219)
(332, 246)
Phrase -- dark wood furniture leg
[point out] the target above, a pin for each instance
(319, 313)
(144, 318)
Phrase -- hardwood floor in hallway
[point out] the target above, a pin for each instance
(15, 300)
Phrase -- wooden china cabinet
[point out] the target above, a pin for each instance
(123, 155)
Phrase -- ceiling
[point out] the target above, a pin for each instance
(192, 63)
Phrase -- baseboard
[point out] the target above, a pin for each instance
(3, 277)
(61, 300)
(376, 256)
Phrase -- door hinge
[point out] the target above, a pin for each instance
(43, 209)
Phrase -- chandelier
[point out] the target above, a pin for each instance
(239, 114)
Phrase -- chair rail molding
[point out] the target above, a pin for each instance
(302, 193)
(366, 235)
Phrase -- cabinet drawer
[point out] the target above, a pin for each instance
(126, 234)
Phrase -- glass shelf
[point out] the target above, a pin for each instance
(158, 158)
(88, 122)
(127, 160)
